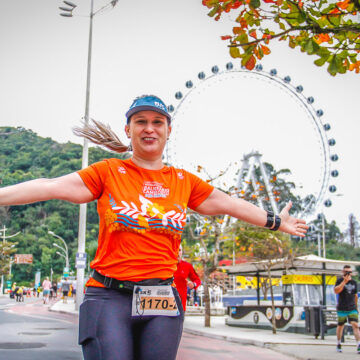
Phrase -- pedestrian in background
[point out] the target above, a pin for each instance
(74, 289)
(347, 307)
(54, 287)
(46, 285)
(20, 294)
(185, 271)
(65, 286)
(12, 291)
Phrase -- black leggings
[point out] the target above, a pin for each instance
(108, 332)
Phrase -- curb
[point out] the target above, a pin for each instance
(259, 343)
(227, 338)
(54, 308)
(64, 312)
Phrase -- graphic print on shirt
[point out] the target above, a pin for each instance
(150, 216)
(349, 288)
(153, 189)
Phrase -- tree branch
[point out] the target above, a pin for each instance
(315, 30)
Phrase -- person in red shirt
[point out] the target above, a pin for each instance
(184, 272)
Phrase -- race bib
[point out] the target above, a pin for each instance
(154, 300)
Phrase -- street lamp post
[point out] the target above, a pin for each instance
(60, 254)
(83, 207)
(66, 256)
(65, 249)
(80, 271)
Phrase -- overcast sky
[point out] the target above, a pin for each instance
(155, 47)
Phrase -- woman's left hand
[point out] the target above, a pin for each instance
(290, 224)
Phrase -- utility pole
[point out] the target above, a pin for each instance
(234, 276)
(352, 230)
(4, 237)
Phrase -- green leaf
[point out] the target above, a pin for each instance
(242, 38)
(351, 35)
(292, 43)
(311, 47)
(343, 55)
(351, 7)
(213, 11)
(314, 12)
(249, 49)
(336, 65)
(245, 59)
(213, 2)
(301, 18)
(235, 52)
(320, 61)
(225, 3)
(329, 8)
(255, 3)
(261, 53)
(323, 22)
(341, 36)
(353, 58)
(323, 52)
(249, 18)
(335, 20)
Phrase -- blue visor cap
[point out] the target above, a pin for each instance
(152, 103)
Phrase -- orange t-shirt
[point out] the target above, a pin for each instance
(142, 215)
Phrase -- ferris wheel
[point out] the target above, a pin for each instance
(248, 111)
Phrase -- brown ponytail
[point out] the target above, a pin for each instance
(101, 134)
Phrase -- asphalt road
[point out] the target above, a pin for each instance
(28, 331)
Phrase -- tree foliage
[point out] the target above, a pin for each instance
(7, 249)
(216, 237)
(325, 28)
(280, 189)
(24, 156)
(269, 247)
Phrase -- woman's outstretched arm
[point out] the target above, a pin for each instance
(68, 187)
(220, 203)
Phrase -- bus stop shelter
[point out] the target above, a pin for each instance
(307, 264)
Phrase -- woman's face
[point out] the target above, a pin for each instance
(148, 131)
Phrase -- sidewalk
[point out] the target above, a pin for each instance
(299, 346)
(68, 308)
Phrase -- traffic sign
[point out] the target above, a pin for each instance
(66, 272)
(80, 260)
(23, 259)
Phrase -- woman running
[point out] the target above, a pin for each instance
(131, 309)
